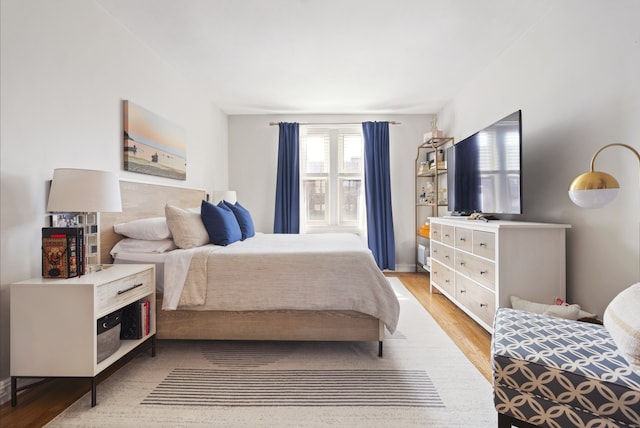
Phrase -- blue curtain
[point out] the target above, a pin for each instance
(377, 185)
(287, 216)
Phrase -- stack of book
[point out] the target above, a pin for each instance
(135, 320)
(63, 252)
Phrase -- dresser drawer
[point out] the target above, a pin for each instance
(122, 291)
(448, 236)
(436, 232)
(480, 270)
(442, 253)
(484, 244)
(464, 239)
(476, 298)
(443, 277)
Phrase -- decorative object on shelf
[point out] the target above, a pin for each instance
(152, 144)
(86, 192)
(434, 133)
(595, 189)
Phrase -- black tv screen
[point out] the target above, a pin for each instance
(485, 170)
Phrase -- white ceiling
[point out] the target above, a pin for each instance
(328, 56)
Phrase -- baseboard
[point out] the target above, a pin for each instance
(405, 268)
(5, 390)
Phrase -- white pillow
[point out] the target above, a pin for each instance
(186, 227)
(149, 229)
(622, 320)
(570, 312)
(130, 245)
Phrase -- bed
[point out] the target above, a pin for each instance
(218, 316)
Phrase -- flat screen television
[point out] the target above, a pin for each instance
(484, 171)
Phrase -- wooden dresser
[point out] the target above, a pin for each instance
(480, 265)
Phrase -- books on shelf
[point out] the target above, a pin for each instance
(136, 320)
(63, 252)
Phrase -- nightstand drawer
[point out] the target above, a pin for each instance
(119, 292)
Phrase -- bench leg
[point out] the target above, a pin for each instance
(505, 421)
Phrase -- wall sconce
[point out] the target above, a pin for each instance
(596, 189)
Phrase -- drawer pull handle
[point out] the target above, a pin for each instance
(483, 272)
(447, 256)
(463, 239)
(447, 281)
(130, 288)
(446, 235)
(463, 291)
(462, 263)
(483, 305)
(483, 244)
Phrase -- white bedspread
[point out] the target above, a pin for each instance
(280, 272)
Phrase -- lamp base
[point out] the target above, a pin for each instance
(96, 268)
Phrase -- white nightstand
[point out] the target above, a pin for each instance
(53, 322)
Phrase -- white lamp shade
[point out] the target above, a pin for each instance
(224, 195)
(84, 190)
(593, 198)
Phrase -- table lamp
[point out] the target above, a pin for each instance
(224, 195)
(84, 191)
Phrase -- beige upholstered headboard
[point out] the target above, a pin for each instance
(143, 200)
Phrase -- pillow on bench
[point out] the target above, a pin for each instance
(570, 312)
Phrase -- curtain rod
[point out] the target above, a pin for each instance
(391, 122)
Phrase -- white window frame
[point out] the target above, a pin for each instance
(334, 176)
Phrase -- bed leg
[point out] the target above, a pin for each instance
(380, 348)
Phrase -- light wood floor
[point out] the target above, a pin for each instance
(39, 405)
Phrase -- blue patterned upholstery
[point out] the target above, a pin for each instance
(553, 372)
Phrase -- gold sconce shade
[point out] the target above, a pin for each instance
(595, 189)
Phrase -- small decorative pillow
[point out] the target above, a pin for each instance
(570, 312)
(186, 227)
(130, 245)
(221, 223)
(149, 229)
(622, 321)
(244, 219)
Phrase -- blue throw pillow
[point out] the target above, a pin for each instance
(221, 223)
(244, 219)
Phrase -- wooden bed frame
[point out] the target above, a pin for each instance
(144, 200)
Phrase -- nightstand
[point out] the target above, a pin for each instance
(54, 322)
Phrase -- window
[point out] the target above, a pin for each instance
(332, 172)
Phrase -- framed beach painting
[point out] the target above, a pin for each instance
(152, 144)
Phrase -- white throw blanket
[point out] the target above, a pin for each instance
(281, 272)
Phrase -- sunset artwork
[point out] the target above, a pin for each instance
(153, 145)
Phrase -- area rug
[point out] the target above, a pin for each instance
(423, 379)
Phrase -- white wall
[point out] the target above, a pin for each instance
(253, 160)
(66, 67)
(575, 77)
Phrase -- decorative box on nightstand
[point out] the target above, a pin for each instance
(54, 322)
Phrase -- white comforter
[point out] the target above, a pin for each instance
(278, 272)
